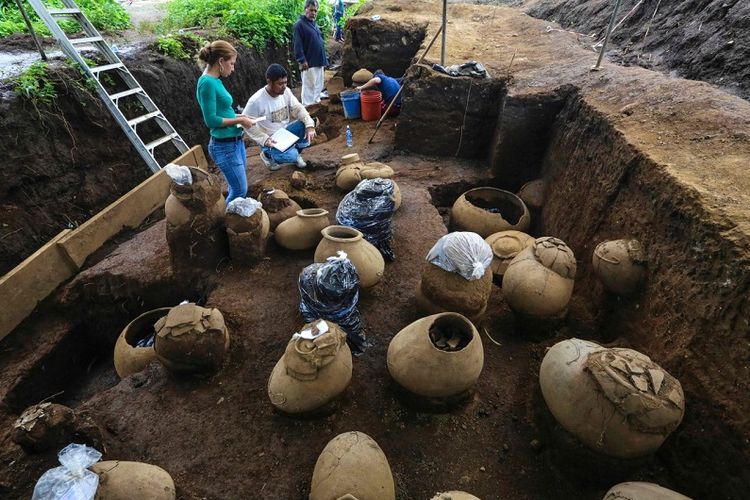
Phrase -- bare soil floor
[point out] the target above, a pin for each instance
(685, 147)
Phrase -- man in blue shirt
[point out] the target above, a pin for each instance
(387, 85)
(310, 53)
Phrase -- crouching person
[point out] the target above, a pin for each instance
(281, 110)
(387, 85)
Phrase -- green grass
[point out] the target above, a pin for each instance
(179, 46)
(35, 84)
(106, 15)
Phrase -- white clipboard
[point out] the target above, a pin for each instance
(283, 139)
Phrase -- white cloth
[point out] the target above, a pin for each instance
(312, 85)
(279, 112)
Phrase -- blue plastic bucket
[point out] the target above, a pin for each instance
(352, 106)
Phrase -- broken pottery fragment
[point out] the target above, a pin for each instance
(616, 401)
(352, 464)
(488, 210)
(620, 265)
(191, 339)
(637, 490)
(302, 231)
(438, 356)
(316, 367)
(538, 282)
(533, 194)
(366, 258)
(247, 236)
(353, 170)
(46, 426)
(120, 480)
(505, 246)
(454, 495)
(129, 357)
(278, 206)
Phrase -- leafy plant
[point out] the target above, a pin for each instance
(350, 11)
(103, 14)
(35, 84)
(180, 46)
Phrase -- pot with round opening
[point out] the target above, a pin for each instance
(488, 210)
(302, 231)
(440, 356)
(129, 358)
(366, 258)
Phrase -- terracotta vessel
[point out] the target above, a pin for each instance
(505, 246)
(539, 280)
(533, 194)
(191, 339)
(438, 356)
(312, 372)
(454, 495)
(488, 210)
(302, 231)
(366, 258)
(50, 426)
(637, 490)
(349, 174)
(620, 265)
(441, 291)
(352, 465)
(129, 358)
(615, 401)
(247, 236)
(202, 197)
(278, 206)
(120, 480)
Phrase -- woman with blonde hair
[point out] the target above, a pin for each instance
(226, 147)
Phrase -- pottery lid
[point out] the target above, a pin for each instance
(362, 76)
(555, 255)
(349, 159)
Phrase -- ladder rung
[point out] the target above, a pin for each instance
(90, 39)
(151, 145)
(143, 118)
(106, 67)
(125, 93)
(63, 12)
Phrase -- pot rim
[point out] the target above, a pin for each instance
(129, 328)
(349, 159)
(509, 194)
(458, 316)
(312, 212)
(356, 235)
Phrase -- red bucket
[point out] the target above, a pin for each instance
(371, 100)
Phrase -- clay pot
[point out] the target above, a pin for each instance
(375, 170)
(298, 180)
(50, 426)
(366, 258)
(203, 196)
(441, 291)
(278, 206)
(247, 236)
(119, 480)
(352, 464)
(454, 495)
(505, 246)
(191, 339)
(539, 280)
(303, 230)
(620, 265)
(349, 173)
(129, 358)
(637, 490)
(488, 210)
(439, 356)
(533, 194)
(615, 401)
(311, 373)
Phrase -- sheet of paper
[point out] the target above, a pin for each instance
(255, 121)
(284, 139)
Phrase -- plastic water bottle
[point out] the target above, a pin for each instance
(349, 139)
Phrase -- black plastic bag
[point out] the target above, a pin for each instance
(369, 208)
(330, 291)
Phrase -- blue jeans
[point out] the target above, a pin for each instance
(291, 154)
(231, 159)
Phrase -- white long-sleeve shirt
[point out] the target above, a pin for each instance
(279, 112)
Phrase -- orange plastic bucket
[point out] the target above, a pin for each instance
(371, 100)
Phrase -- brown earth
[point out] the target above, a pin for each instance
(625, 151)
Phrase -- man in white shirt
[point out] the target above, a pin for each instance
(282, 110)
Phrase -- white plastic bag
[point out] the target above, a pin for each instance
(243, 206)
(179, 174)
(462, 252)
(72, 480)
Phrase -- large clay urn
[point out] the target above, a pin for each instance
(278, 206)
(352, 466)
(366, 258)
(349, 173)
(120, 480)
(441, 291)
(539, 280)
(488, 210)
(247, 236)
(638, 490)
(315, 368)
(439, 356)
(616, 401)
(128, 357)
(303, 231)
(191, 339)
(505, 246)
(533, 194)
(620, 265)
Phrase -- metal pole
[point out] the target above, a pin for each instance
(606, 37)
(31, 30)
(444, 26)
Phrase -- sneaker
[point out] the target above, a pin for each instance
(324, 94)
(268, 162)
(301, 163)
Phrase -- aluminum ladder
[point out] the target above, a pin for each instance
(70, 47)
